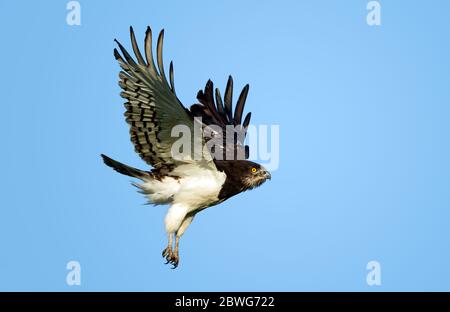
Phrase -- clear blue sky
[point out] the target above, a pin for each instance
(364, 115)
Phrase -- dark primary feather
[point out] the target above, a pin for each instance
(229, 98)
(148, 50)
(222, 114)
(172, 83)
(240, 105)
(216, 113)
(159, 56)
(219, 102)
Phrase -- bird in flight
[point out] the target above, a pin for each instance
(202, 179)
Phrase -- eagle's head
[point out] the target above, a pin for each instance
(241, 175)
(253, 174)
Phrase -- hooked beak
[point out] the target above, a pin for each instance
(268, 175)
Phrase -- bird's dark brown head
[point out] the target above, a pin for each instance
(253, 174)
(242, 175)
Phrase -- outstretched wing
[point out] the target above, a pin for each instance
(152, 109)
(215, 113)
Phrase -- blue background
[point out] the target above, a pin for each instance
(364, 133)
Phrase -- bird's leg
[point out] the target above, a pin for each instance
(168, 253)
(175, 255)
(172, 255)
(174, 218)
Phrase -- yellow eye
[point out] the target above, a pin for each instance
(253, 169)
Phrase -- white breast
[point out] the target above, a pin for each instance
(199, 186)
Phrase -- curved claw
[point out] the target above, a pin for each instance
(171, 257)
(174, 261)
(167, 253)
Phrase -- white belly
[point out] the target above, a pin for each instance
(199, 188)
(195, 188)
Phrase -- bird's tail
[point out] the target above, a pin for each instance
(124, 169)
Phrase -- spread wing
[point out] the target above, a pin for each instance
(152, 107)
(215, 113)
